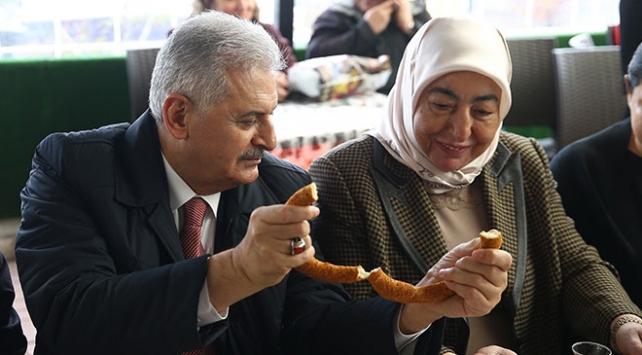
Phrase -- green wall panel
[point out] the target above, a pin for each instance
(44, 96)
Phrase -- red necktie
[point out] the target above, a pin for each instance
(193, 215)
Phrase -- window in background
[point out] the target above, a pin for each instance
(548, 16)
(266, 10)
(513, 17)
(69, 28)
(305, 12)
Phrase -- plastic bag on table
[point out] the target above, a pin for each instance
(336, 76)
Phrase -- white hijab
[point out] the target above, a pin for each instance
(443, 45)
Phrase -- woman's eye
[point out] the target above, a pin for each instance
(483, 112)
(441, 106)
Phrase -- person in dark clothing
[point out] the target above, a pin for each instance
(630, 30)
(368, 28)
(600, 181)
(630, 34)
(12, 340)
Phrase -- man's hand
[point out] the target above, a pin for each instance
(263, 258)
(478, 277)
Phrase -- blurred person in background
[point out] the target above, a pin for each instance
(630, 30)
(368, 28)
(600, 181)
(630, 33)
(247, 9)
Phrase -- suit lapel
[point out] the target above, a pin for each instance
(161, 221)
(230, 215)
(141, 183)
(235, 209)
(405, 200)
(506, 209)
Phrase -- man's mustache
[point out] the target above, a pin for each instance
(253, 154)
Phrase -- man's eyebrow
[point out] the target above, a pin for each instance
(253, 113)
(258, 112)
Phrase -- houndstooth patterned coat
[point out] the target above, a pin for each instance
(557, 285)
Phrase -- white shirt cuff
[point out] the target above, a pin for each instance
(206, 313)
(402, 340)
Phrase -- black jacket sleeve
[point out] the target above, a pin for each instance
(12, 340)
(335, 33)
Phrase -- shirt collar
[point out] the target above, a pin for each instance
(180, 192)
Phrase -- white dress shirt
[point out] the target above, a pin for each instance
(179, 194)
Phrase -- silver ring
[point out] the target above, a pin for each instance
(297, 246)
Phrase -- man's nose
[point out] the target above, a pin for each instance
(265, 136)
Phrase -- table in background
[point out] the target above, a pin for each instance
(307, 129)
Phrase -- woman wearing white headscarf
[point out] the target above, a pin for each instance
(438, 170)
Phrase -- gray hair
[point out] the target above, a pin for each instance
(195, 59)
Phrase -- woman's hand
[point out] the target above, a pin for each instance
(477, 276)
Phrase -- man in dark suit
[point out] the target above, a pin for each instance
(105, 250)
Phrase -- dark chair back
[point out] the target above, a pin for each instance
(140, 64)
(589, 91)
(533, 83)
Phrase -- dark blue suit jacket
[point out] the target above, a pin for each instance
(103, 273)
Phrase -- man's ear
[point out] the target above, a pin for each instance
(627, 84)
(175, 109)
